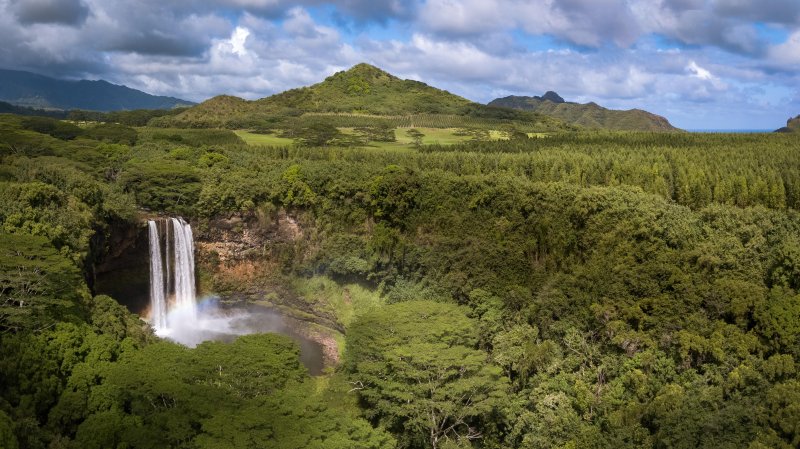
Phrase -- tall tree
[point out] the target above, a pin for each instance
(415, 365)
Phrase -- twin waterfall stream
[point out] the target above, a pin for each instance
(172, 282)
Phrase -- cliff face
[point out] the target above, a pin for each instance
(121, 268)
(242, 255)
(243, 237)
(234, 254)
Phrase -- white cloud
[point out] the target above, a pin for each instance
(698, 71)
(584, 22)
(238, 39)
(725, 24)
(464, 17)
(255, 59)
(787, 54)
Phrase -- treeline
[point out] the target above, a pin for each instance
(526, 306)
(8, 108)
(136, 117)
(403, 121)
(291, 119)
(695, 170)
(478, 120)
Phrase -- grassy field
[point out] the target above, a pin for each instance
(442, 136)
(344, 301)
(263, 139)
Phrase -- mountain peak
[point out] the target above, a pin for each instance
(363, 67)
(367, 72)
(552, 96)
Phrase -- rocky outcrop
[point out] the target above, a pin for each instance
(242, 236)
(243, 257)
(240, 256)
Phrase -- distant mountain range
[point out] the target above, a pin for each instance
(590, 115)
(42, 92)
(363, 90)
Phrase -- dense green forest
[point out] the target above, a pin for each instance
(574, 290)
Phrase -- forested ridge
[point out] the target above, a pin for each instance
(573, 290)
(589, 115)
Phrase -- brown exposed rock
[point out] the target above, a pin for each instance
(242, 236)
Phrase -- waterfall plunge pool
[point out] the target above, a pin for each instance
(215, 321)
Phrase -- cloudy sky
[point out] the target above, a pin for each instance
(700, 63)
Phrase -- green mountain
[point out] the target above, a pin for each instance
(590, 115)
(365, 89)
(363, 93)
(42, 92)
(792, 126)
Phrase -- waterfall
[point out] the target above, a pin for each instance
(158, 304)
(183, 245)
(168, 260)
(172, 294)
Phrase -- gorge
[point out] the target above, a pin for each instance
(175, 312)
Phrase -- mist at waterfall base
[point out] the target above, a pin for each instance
(191, 326)
(176, 314)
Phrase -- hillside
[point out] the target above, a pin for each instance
(590, 115)
(363, 93)
(792, 126)
(366, 89)
(42, 92)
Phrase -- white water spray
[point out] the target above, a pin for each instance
(158, 304)
(184, 267)
(168, 307)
